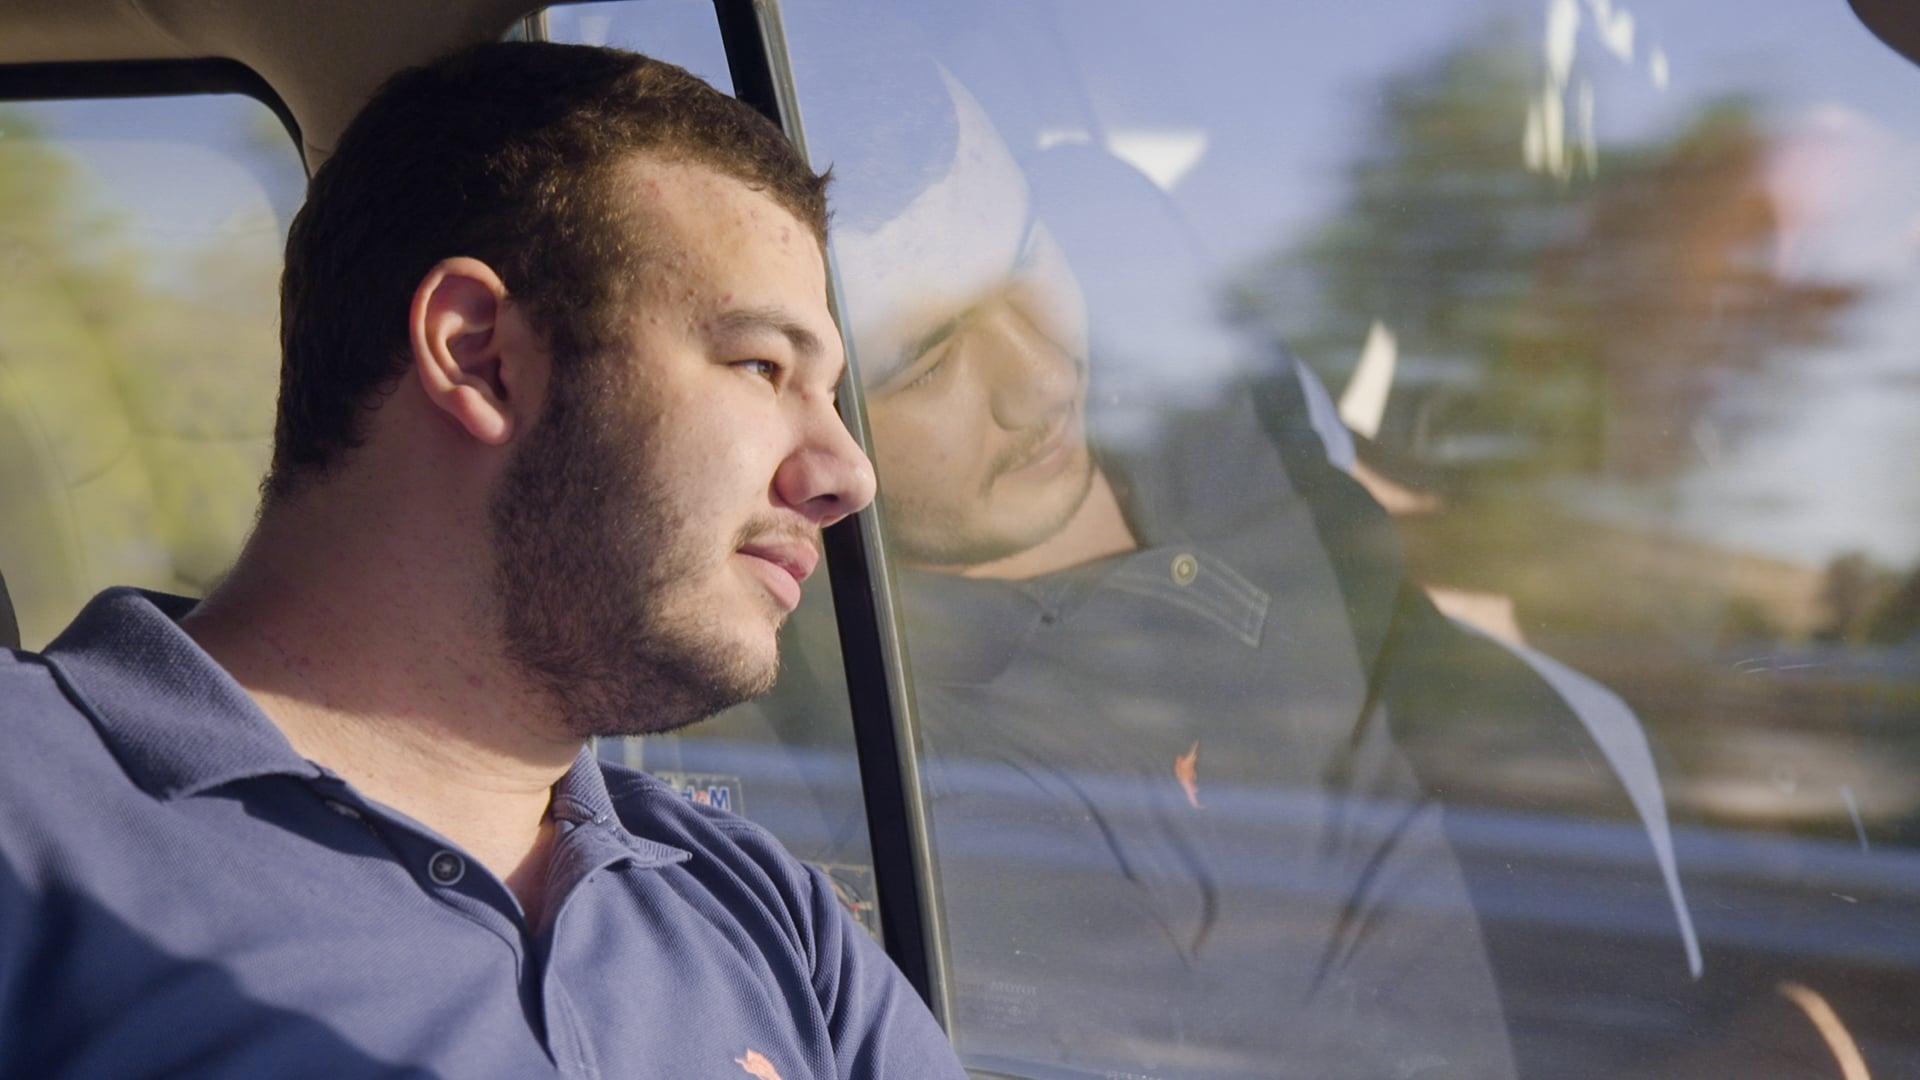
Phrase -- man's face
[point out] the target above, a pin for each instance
(652, 533)
(972, 341)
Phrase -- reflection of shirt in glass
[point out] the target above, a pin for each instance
(1166, 841)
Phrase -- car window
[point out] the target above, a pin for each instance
(682, 32)
(1408, 561)
(786, 761)
(140, 247)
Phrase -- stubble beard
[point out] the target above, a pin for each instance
(939, 533)
(596, 566)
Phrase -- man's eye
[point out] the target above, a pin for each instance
(927, 376)
(766, 369)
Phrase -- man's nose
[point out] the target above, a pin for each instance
(827, 476)
(1030, 378)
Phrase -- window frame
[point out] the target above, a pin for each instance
(872, 647)
(109, 80)
(98, 80)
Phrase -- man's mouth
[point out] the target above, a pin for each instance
(782, 564)
(1052, 450)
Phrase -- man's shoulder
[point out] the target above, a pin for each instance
(51, 752)
(23, 673)
(38, 711)
(739, 864)
(876, 1023)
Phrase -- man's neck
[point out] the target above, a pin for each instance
(1096, 530)
(372, 656)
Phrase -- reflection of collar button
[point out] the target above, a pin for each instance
(1185, 569)
(446, 868)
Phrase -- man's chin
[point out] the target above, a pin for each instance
(959, 539)
(661, 686)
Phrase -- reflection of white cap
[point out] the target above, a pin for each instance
(952, 243)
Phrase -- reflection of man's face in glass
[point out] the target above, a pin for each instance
(971, 337)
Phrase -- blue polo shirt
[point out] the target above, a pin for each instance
(181, 893)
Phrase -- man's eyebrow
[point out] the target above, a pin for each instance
(765, 320)
(925, 343)
(930, 340)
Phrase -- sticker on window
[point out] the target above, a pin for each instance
(718, 790)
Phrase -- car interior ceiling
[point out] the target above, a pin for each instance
(323, 61)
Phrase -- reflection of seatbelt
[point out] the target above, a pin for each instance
(1608, 721)
(1324, 416)
(1617, 731)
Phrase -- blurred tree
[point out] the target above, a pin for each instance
(1853, 590)
(1896, 621)
(136, 376)
(1545, 324)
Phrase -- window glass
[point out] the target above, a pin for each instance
(787, 760)
(1410, 561)
(140, 249)
(683, 32)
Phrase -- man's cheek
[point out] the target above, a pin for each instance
(916, 466)
(890, 473)
(890, 441)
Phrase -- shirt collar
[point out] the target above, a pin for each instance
(581, 799)
(176, 721)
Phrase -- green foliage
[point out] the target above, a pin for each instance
(136, 397)
(1867, 603)
(1560, 333)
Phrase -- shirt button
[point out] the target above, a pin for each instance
(1185, 569)
(343, 809)
(446, 867)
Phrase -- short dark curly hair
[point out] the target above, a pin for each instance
(509, 153)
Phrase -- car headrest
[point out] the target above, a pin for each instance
(9, 626)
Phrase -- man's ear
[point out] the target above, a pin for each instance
(461, 355)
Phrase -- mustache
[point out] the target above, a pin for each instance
(779, 529)
(1022, 453)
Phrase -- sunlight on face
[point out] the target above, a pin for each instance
(627, 527)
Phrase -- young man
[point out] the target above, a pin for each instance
(555, 444)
